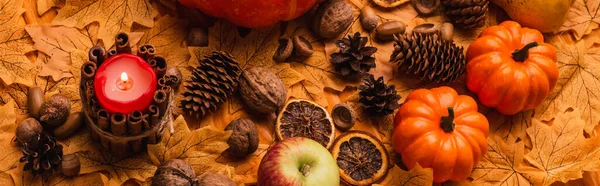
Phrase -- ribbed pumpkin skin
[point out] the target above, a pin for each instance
(253, 13)
(420, 138)
(500, 81)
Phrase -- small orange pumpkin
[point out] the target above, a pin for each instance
(510, 68)
(442, 130)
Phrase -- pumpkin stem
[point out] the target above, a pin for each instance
(522, 54)
(447, 122)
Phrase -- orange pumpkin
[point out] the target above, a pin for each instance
(510, 68)
(442, 130)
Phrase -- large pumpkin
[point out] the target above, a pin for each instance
(510, 68)
(442, 130)
(253, 13)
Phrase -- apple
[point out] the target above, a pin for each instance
(298, 161)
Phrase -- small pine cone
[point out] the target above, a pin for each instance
(42, 154)
(378, 98)
(466, 13)
(354, 57)
(429, 57)
(213, 82)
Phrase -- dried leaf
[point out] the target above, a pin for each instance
(137, 167)
(44, 5)
(14, 44)
(506, 127)
(310, 91)
(10, 155)
(113, 16)
(168, 36)
(577, 85)
(415, 177)
(560, 150)
(199, 147)
(501, 165)
(583, 17)
(26, 178)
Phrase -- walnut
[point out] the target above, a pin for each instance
(174, 172)
(244, 139)
(332, 18)
(261, 90)
(214, 179)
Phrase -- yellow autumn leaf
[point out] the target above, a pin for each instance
(167, 36)
(200, 147)
(113, 16)
(582, 17)
(26, 178)
(560, 151)
(138, 166)
(10, 155)
(506, 126)
(502, 165)
(417, 176)
(44, 5)
(14, 44)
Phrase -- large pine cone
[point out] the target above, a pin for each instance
(466, 13)
(41, 154)
(354, 57)
(429, 57)
(212, 83)
(378, 98)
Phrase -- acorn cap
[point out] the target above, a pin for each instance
(343, 116)
(284, 51)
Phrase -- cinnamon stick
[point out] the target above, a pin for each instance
(88, 71)
(163, 81)
(153, 118)
(159, 64)
(122, 43)
(97, 54)
(118, 124)
(146, 51)
(134, 125)
(160, 99)
(103, 119)
(111, 53)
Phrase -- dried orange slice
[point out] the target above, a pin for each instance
(361, 158)
(303, 118)
(389, 3)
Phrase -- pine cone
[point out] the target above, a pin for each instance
(212, 83)
(429, 57)
(41, 154)
(466, 13)
(377, 97)
(354, 58)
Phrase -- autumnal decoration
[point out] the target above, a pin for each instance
(302, 49)
(545, 16)
(426, 7)
(28, 129)
(343, 116)
(389, 3)
(388, 30)
(174, 77)
(377, 97)
(448, 118)
(529, 64)
(466, 14)
(174, 172)
(261, 90)
(304, 118)
(71, 126)
(54, 111)
(332, 18)
(361, 158)
(447, 31)
(368, 18)
(214, 179)
(426, 28)
(354, 57)
(35, 99)
(284, 50)
(268, 14)
(244, 139)
(411, 52)
(212, 83)
(42, 154)
(70, 165)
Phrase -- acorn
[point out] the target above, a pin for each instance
(35, 98)
(54, 111)
(70, 127)
(70, 165)
(27, 129)
(343, 116)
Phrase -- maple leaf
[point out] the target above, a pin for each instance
(578, 83)
(560, 151)
(582, 17)
(138, 167)
(168, 36)
(26, 178)
(113, 16)
(415, 177)
(44, 5)
(199, 147)
(501, 165)
(14, 44)
(10, 155)
(506, 127)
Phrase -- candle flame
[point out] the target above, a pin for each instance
(124, 77)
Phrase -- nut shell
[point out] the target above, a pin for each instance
(244, 139)
(214, 179)
(174, 172)
(332, 18)
(27, 129)
(302, 48)
(261, 90)
(368, 18)
(35, 98)
(343, 116)
(70, 165)
(70, 127)
(54, 111)
(284, 51)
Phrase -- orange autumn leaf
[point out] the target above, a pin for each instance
(415, 177)
(14, 44)
(119, 170)
(501, 165)
(44, 6)
(10, 155)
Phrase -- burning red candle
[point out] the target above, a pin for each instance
(125, 83)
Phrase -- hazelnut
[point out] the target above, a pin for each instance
(54, 111)
(244, 139)
(214, 179)
(27, 129)
(332, 18)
